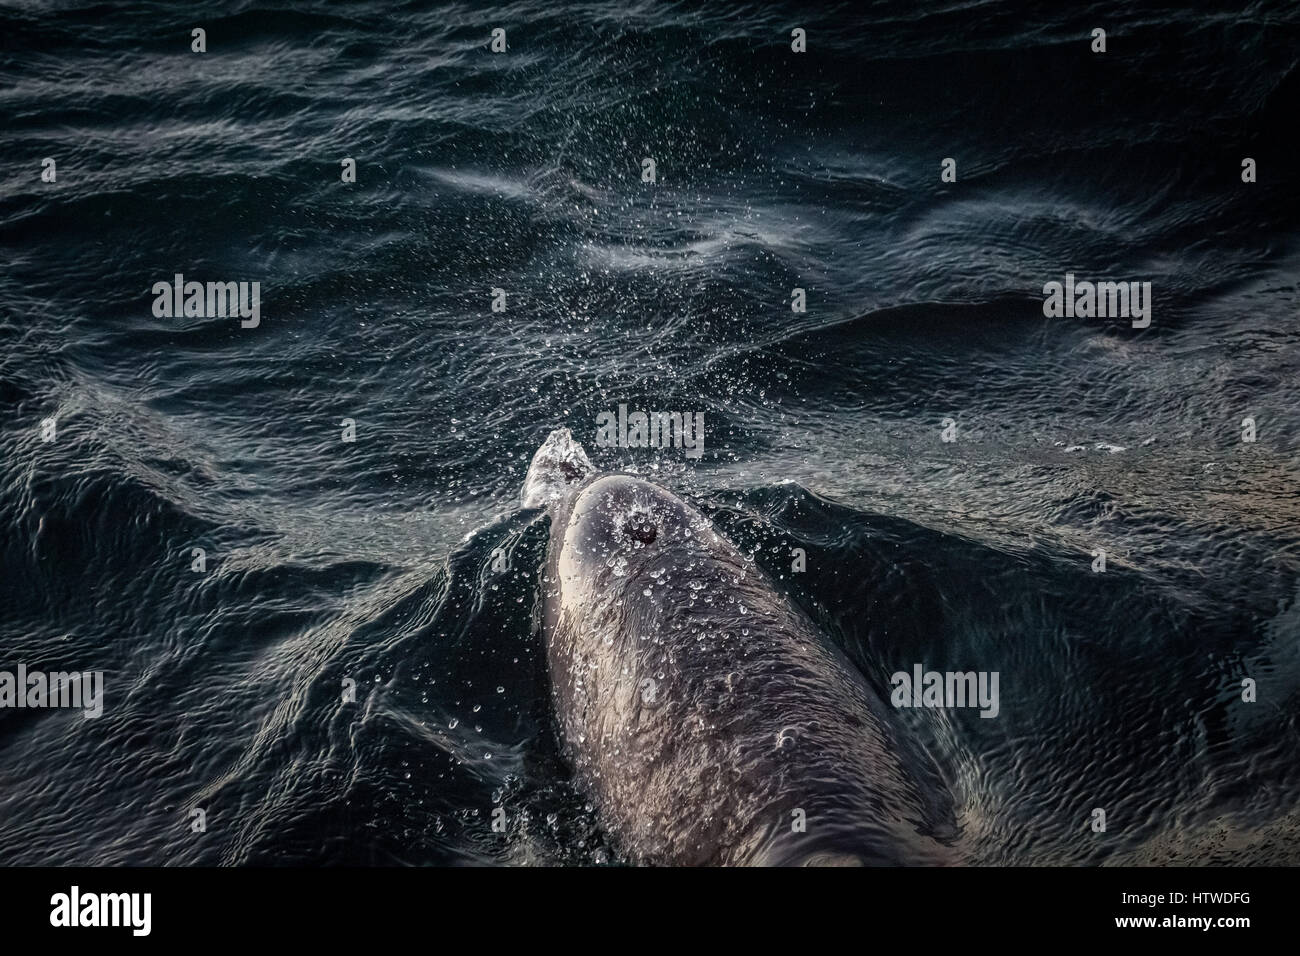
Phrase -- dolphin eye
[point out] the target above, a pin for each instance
(639, 527)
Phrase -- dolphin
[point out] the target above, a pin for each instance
(709, 720)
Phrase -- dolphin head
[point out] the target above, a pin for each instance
(609, 524)
(617, 528)
(624, 552)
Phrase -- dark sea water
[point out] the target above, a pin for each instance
(372, 560)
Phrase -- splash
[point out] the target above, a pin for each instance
(560, 464)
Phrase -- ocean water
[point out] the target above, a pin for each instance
(372, 560)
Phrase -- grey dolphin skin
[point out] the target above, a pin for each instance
(706, 716)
